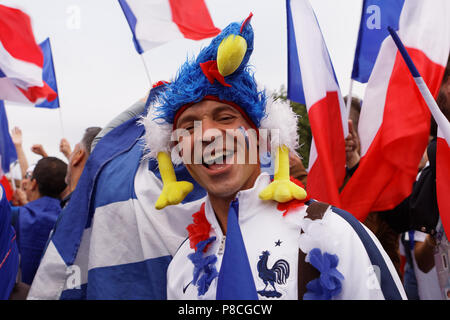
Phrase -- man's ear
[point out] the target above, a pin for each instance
(33, 185)
(78, 157)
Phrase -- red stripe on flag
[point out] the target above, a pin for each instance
(443, 183)
(387, 171)
(33, 94)
(7, 186)
(16, 36)
(193, 19)
(328, 171)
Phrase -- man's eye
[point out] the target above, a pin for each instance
(226, 118)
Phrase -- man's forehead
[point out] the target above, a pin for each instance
(205, 107)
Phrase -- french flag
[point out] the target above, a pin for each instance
(49, 75)
(155, 22)
(312, 81)
(21, 60)
(394, 122)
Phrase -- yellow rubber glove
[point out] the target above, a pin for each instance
(281, 189)
(173, 191)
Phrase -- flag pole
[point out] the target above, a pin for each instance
(439, 117)
(146, 71)
(61, 121)
(349, 99)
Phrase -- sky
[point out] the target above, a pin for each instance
(99, 73)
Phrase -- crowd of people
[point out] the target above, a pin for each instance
(320, 252)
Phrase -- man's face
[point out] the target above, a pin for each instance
(221, 170)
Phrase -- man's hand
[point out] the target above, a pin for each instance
(39, 149)
(64, 147)
(20, 197)
(352, 146)
(16, 136)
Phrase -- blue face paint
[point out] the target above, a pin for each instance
(244, 132)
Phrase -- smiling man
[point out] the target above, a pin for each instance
(255, 236)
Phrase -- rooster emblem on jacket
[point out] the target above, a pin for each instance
(278, 274)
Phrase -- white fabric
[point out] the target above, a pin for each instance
(262, 225)
(154, 25)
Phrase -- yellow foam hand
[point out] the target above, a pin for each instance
(230, 53)
(173, 191)
(281, 189)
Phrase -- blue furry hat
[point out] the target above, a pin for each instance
(193, 82)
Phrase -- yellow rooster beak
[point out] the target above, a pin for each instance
(173, 191)
(230, 54)
(281, 189)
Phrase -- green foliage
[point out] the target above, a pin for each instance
(304, 129)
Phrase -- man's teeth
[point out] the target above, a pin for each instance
(217, 157)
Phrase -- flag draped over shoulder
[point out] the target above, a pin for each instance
(48, 75)
(155, 22)
(443, 179)
(311, 80)
(21, 60)
(395, 121)
(8, 152)
(110, 242)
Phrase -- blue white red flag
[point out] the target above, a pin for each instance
(395, 121)
(110, 242)
(311, 80)
(155, 22)
(443, 138)
(48, 75)
(8, 152)
(21, 60)
(376, 16)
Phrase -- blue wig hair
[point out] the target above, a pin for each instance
(191, 85)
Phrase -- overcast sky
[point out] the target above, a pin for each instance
(99, 73)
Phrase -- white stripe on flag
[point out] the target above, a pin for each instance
(22, 73)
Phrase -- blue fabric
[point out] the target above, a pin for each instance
(7, 149)
(77, 215)
(387, 283)
(48, 75)
(235, 276)
(295, 84)
(133, 281)
(131, 19)
(36, 219)
(329, 284)
(370, 40)
(412, 68)
(9, 254)
(204, 267)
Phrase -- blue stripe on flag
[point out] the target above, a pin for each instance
(7, 149)
(132, 281)
(376, 16)
(117, 179)
(48, 75)
(79, 212)
(295, 85)
(387, 283)
(131, 18)
(2, 75)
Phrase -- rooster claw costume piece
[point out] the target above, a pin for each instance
(221, 72)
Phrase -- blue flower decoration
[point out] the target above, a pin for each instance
(329, 283)
(204, 267)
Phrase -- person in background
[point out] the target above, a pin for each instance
(77, 160)
(34, 220)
